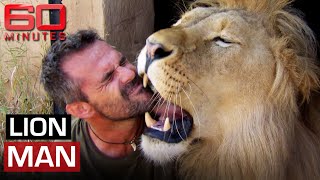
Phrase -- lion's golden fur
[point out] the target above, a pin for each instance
(262, 121)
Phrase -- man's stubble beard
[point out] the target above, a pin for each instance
(127, 111)
(132, 107)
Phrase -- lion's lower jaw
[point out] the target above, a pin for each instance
(160, 152)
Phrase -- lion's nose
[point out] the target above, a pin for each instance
(155, 51)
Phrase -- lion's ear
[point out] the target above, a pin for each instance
(301, 71)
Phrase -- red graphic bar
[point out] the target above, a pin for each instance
(41, 157)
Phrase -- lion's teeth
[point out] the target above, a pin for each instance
(145, 80)
(166, 126)
(149, 121)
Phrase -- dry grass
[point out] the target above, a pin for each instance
(20, 90)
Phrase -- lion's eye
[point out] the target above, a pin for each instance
(222, 42)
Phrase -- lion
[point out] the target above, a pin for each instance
(234, 82)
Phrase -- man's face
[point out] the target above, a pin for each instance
(109, 81)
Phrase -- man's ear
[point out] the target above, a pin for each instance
(81, 110)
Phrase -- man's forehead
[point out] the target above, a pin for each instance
(86, 60)
(91, 52)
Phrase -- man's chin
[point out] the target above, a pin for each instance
(142, 95)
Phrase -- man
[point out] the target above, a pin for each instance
(99, 86)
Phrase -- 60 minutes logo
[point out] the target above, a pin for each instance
(33, 21)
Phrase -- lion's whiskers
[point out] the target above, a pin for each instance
(166, 112)
(174, 120)
(169, 99)
(178, 90)
(157, 97)
(190, 89)
(194, 109)
(202, 92)
(174, 108)
(159, 104)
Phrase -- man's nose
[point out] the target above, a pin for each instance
(125, 74)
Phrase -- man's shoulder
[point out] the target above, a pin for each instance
(76, 128)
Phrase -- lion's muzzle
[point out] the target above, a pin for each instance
(155, 51)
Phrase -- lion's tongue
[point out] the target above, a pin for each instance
(163, 116)
(169, 123)
(173, 112)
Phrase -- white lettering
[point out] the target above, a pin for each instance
(61, 131)
(44, 127)
(44, 149)
(26, 128)
(12, 133)
(12, 151)
(71, 162)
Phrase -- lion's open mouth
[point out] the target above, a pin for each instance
(167, 122)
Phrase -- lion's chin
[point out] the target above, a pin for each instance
(161, 152)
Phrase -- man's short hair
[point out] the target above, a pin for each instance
(60, 87)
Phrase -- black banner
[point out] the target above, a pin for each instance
(38, 126)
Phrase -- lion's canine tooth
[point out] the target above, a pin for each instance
(148, 119)
(166, 126)
(145, 80)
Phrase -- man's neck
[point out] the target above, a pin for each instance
(112, 137)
